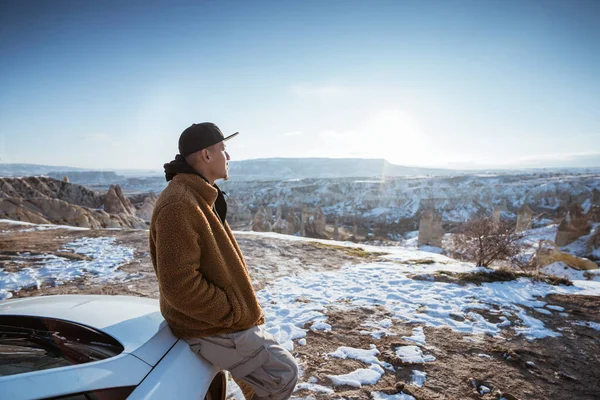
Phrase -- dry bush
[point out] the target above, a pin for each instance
(484, 240)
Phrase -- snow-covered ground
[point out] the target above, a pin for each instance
(387, 283)
(104, 258)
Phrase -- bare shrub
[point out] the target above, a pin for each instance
(484, 240)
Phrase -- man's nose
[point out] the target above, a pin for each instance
(227, 154)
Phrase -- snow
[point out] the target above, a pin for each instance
(314, 388)
(562, 270)
(398, 396)
(433, 304)
(418, 336)
(321, 326)
(413, 355)
(105, 259)
(418, 378)
(359, 377)
(385, 284)
(366, 356)
(381, 328)
(589, 324)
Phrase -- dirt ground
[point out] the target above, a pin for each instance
(565, 367)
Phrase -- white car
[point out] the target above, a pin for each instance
(97, 347)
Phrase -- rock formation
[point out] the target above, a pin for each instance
(147, 207)
(593, 214)
(524, 218)
(36, 187)
(294, 220)
(116, 203)
(336, 229)
(47, 200)
(320, 222)
(549, 253)
(596, 196)
(593, 245)
(572, 227)
(496, 214)
(260, 222)
(430, 229)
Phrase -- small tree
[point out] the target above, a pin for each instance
(484, 240)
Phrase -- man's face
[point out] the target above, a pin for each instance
(219, 161)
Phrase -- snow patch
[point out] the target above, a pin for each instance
(398, 396)
(418, 336)
(105, 259)
(359, 377)
(413, 355)
(418, 378)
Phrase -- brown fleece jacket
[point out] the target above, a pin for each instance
(202, 276)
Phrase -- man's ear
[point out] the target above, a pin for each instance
(205, 155)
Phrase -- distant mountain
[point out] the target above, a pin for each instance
(8, 170)
(58, 172)
(264, 169)
(302, 168)
(259, 169)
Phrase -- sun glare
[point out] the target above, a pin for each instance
(399, 135)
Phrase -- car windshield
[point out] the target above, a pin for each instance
(34, 343)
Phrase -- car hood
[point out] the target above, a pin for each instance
(134, 321)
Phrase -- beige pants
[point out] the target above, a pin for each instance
(254, 357)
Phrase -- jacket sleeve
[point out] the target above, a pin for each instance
(178, 251)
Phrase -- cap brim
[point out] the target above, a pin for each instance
(231, 136)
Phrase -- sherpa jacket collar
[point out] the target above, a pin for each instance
(199, 187)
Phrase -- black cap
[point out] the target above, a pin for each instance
(200, 136)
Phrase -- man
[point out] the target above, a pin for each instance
(206, 295)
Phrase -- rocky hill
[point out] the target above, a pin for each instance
(47, 200)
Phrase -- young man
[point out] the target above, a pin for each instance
(206, 295)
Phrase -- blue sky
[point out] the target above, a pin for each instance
(430, 83)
